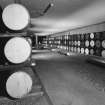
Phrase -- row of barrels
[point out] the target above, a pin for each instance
(15, 49)
(89, 44)
(14, 18)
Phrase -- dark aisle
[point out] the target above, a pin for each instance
(70, 80)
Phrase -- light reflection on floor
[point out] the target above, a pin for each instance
(46, 54)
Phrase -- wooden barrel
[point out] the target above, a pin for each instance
(86, 43)
(87, 51)
(78, 49)
(92, 35)
(98, 52)
(79, 43)
(87, 36)
(91, 52)
(98, 43)
(92, 43)
(82, 50)
(103, 53)
(103, 43)
(19, 84)
(17, 50)
(15, 17)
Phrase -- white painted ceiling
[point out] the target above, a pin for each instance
(64, 15)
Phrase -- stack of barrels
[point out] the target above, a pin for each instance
(85, 43)
(14, 48)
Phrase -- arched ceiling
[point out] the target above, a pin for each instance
(64, 15)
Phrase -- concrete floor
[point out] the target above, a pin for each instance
(70, 80)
